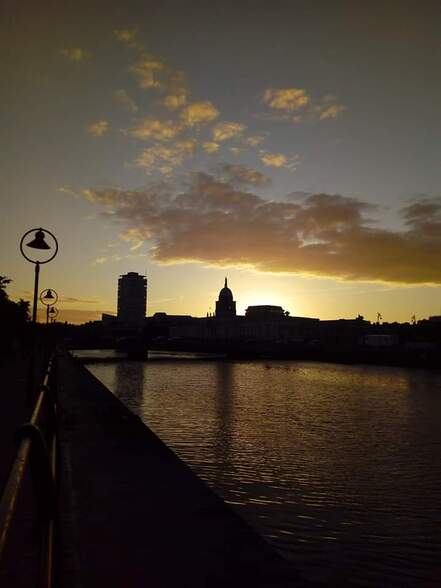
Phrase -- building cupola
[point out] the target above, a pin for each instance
(225, 306)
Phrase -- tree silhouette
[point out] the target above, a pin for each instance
(4, 281)
(14, 317)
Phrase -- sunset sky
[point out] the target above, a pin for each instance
(294, 147)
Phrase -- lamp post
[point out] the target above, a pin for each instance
(53, 313)
(48, 297)
(39, 243)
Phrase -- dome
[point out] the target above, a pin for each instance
(226, 293)
(225, 306)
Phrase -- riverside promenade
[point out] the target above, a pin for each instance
(134, 515)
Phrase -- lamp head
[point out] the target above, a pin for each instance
(38, 241)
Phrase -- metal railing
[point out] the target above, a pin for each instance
(37, 448)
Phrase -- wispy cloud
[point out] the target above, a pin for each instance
(286, 99)
(280, 160)
(127, 37)
(199, 113)
(123, 98)
(210, 147)
(331, 111)
(164, 158)
(156, 129)
(242, 175)
(98, 128)
(75, 54)
(149, 71)
(329, 107)
(69, 191)
(296, 105)
(175, 101)
(71, 300)
(177, 125)
(254, 140)
(236, 150)
(118, 257)
(176, 90)
(227, 130)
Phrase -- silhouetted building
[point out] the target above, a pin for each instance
(265, 311)
(108, 320)
(242, 329)
(132, 299)
(225, 306)
(435, 318)
(343, 332)
(263, 323)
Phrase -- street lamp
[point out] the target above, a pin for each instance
(39, 243)
(53, 312)
(48, 297)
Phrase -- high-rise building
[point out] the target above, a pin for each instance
(225, 306)
(132, 299)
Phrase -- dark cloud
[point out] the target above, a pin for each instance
(213, 222)
(424, 217)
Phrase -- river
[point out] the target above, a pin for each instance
(339, 467)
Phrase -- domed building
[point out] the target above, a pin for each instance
(225, 306)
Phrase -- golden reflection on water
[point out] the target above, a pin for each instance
(339, 466)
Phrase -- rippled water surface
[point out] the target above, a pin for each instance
(338, 466)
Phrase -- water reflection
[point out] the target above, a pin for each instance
(338, 466)
(223, 407)
(129, 383)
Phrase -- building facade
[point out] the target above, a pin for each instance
(132, 299)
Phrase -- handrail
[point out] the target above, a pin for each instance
(38, 448)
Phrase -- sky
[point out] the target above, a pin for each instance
(292, 146)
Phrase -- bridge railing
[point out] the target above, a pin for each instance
(37, 450)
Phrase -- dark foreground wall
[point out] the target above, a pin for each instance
(135, 515)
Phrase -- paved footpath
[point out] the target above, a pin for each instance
(134, 515)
